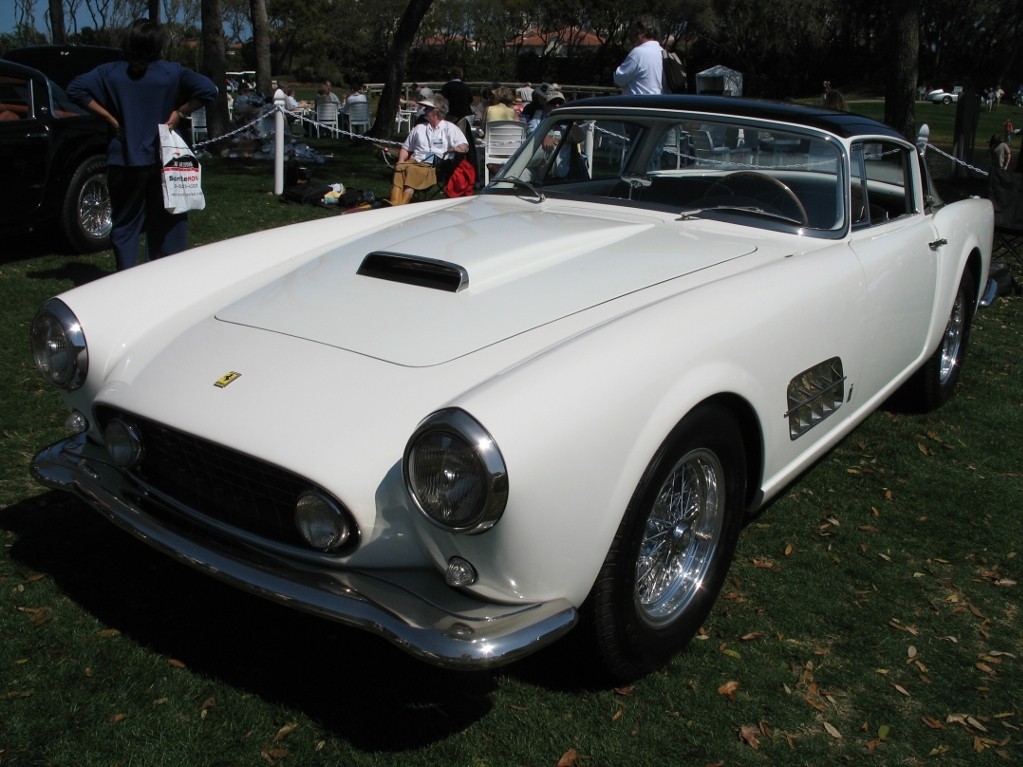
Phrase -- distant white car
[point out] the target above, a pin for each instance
(941, 96)
(466, 424)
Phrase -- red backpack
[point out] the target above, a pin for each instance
(463, 180)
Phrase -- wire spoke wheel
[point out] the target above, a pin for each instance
(682, 536)
(952, 340)
(673, 547)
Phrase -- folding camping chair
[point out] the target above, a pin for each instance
(1005, 190)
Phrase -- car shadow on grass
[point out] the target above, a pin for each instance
(353, 684)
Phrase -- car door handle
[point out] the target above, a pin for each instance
(934, 245)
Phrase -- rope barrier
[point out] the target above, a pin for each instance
(273, 109)
(956, 160)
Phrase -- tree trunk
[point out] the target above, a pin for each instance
(261, 42)
(58, 31)
(154, 10)
(900, 94)
(214, 65)
(397, 59)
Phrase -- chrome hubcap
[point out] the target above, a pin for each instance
(94, 207)
(953, 339)
(681, 538)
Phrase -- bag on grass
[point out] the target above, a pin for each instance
(181, 174)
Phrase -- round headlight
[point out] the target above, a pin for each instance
(320, 521)
(58, 345)
(455, 473)
(124, 444)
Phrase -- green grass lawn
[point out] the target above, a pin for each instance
(871, 616)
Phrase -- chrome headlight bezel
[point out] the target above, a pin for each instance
(59, 347)
(473, 495)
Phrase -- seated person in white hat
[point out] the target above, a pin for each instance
(430, 142)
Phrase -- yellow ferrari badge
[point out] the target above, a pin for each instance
(224, 380)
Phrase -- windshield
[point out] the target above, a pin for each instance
(718, 168)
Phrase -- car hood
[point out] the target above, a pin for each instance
(441, 285)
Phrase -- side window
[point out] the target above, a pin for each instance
(611, 145)
(881, 183)
(62, 105)
(15, 98)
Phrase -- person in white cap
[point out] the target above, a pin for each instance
(431, 141)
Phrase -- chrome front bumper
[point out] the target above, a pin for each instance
(414, 609)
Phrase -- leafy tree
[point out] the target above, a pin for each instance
(397, 58)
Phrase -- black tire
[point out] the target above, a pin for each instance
(85, 218)
(946, 100)
(934, 383)
(681, 530)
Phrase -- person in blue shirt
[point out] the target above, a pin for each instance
(134, 96)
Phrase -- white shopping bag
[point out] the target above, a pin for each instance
(182, 176)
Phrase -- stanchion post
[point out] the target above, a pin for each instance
(279, 127)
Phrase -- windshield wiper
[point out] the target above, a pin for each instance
(516, 181)
(692, 213)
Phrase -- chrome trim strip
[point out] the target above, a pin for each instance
(414, 610)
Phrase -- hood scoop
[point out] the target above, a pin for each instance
(415, 270)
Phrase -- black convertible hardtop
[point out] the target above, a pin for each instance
(844, 124)
(63, 63)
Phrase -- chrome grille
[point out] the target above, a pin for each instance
(217, 483)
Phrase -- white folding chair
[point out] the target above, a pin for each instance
(199, 131)
(404, 117)
(326, 117)
(500, 141)
(357, 117)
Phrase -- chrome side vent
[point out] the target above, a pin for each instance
(415, 270)
(813, 395)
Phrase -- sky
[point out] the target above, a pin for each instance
(7, 17)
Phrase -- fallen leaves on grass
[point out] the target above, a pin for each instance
(831, 730)
(12, 694)
(965, 720)
(728, 689)
(573, 758)
(205, 707)
(881, 736)
(285, 731)
(724, 649)
(749, 734)
(897, 624)
(38, 615)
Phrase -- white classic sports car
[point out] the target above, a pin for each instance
(468, 424)
(941, 96)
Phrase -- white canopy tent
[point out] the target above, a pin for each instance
(719, 80)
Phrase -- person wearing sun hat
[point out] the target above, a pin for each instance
(550, 97)
(431, 141)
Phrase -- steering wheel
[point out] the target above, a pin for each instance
(771, 181)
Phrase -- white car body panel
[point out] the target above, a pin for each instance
(586, 331)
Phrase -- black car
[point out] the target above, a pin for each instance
(53, 152)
